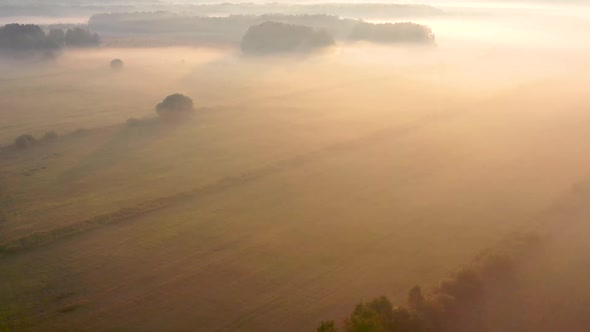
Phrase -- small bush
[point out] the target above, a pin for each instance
(116, 64)
(25, 141)
(175, 106)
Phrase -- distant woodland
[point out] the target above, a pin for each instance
(75, 8)
(231, 30)
(280, 38)
(254, 34)
(19, 38)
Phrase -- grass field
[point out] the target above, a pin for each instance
(273, 209)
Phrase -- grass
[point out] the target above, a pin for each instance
(44, 237)
(285, 248)
(114, 167)
(275, 209)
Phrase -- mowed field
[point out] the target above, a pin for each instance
(250, 116)
(278, 207)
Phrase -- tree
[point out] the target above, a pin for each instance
(175, 106)
(364, 319)
(25, 141)
(30, 39)
(116, 64)
(56, 38)
(404, 320)
(21, 37)
(379, 315)
(328, 326)
(280, 38)
(415, 298)
(401, 32)
(133, 122)
(49, 136)
(79, 37)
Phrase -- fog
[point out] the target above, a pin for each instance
(493, 122)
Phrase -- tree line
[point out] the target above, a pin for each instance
(31, 38)
(280, 38)
(173, 109)
(231, 29)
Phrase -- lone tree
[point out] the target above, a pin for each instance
(117, 64)
(175, 106)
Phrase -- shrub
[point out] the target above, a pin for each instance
(25, 141)
(175, 106)
(116, 64)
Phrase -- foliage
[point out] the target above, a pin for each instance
(380, 315)
(174, 106)
(25, 141)
(133, 122)
(55, 39)
(403, 32)
(327, 326)
(230, 29)
(31, 38)
(372, 316)
(275, 37)
(78, 37)
(116, 64)
(80, 132)
(49, 136)
(21, 37)
(455, 305)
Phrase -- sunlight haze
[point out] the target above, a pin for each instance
(415, 166)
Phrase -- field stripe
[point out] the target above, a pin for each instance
(41, 238)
